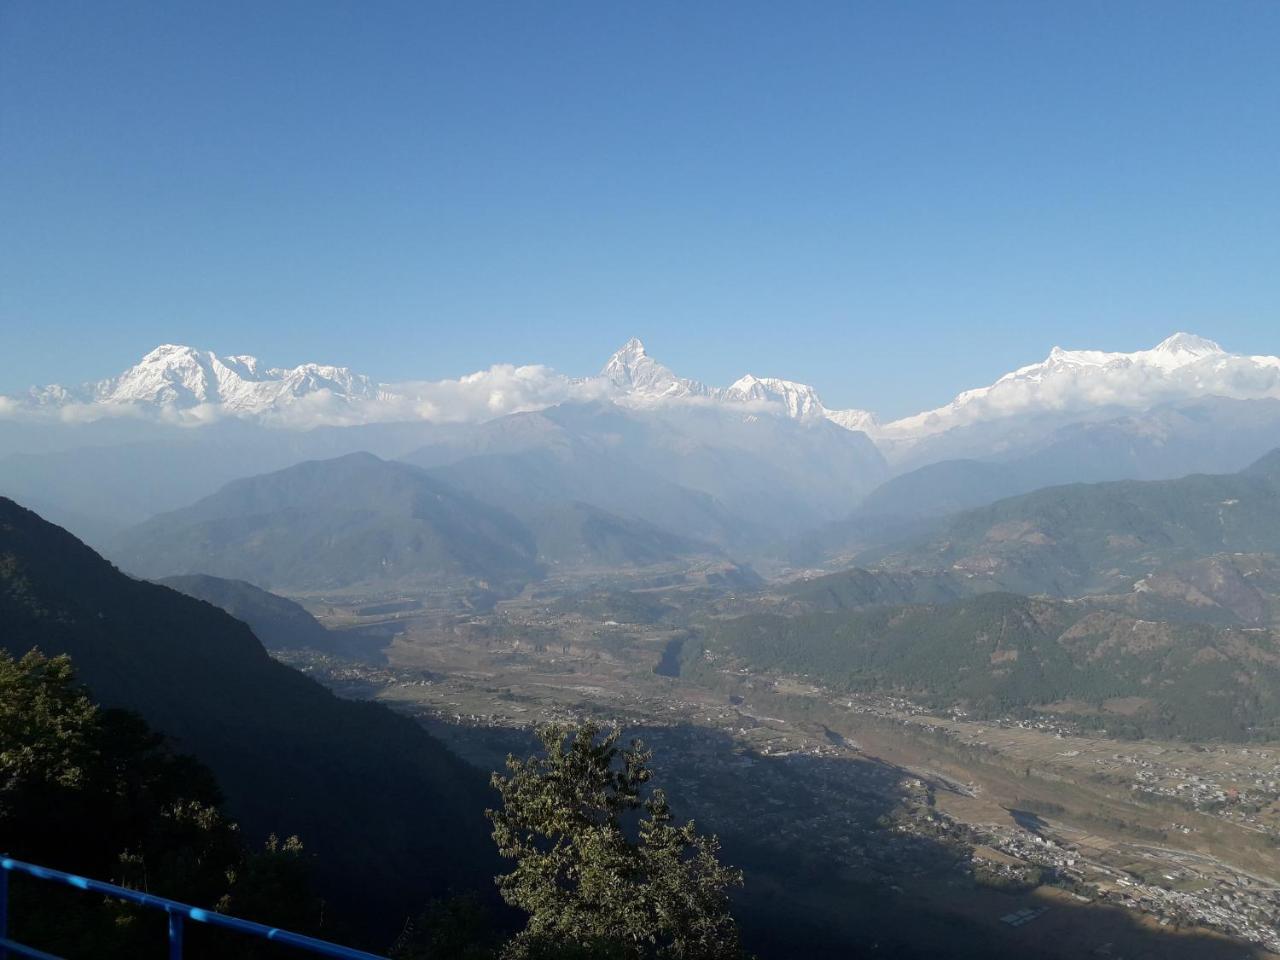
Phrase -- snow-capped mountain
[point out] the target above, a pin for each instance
(799, 399)
(184, 379)
(636, 379)
(185, 385)
(1181, 367)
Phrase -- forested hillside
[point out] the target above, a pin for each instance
(1001, 653)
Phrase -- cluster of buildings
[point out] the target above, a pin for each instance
(1240, 793)
(1230, 902)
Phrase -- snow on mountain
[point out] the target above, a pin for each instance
(637, 376)
(1181, 367)
(185, 385)
(861, 420)
(799, 399)
(639, 380)
(201, 385)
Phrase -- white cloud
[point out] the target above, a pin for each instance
(1070, 382)
(485, 394)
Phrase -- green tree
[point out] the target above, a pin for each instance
(600, 866)
(460, 927)
(47, 727)
(98, 792)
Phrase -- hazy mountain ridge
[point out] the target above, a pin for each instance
(1085, 538)
(104, 486)
(1212, 435)
(578, 534)
(746, 466)
(336, 524)
(697, 471)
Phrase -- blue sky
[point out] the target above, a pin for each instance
(892, 201)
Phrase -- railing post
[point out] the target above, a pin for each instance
(175, 935)
(4, 911)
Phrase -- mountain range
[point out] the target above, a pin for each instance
(184, 384)
(1100, 537)
(356, 521)
(742, 468)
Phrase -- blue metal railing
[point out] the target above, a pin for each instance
(178, 913)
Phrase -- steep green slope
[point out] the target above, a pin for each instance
(1100, 537)
(1237, 588)
(1000, 652)
(390, 813)
(332, 524)
(858, 588)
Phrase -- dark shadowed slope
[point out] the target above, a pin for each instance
(389, 811)
(277, 621)
(333, 524)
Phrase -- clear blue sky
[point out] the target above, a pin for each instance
(890, 200)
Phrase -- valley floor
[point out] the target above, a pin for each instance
(866, 821)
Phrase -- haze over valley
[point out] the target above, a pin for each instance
(917, 630)
(578, 481)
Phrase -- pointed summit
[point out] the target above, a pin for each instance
(1187, 343)
(632, 348)
(623, 360)
(169, 351)
(638, 375)
(1180, 350)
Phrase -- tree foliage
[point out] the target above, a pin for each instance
(97, 792)
(601, 867)
(459, 927)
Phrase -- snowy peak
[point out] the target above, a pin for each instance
(630, 352)
(1182, 349)
(170, 374)
(638, 379)
(187, 385)
(176, 378)
(635, 374)
(1181, 367)
(800, 400)
(1188, 343)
